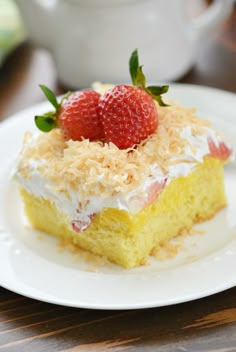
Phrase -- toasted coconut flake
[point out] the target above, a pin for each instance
(94, 168)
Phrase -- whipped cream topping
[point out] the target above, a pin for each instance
(195, 151)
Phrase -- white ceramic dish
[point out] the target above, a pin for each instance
(35, 268)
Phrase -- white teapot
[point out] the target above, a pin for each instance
(91, 40)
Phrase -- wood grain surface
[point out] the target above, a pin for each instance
(207, 324)
(28, 325)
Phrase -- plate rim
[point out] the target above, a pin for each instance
(229, 284)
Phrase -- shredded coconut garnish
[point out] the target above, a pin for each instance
(94, 168)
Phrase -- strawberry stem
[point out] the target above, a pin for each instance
(156, 93)
(50, 96)
(133, 66)
(139, 79)
(45, 123)
(48, 121)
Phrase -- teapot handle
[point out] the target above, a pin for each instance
(210, 18)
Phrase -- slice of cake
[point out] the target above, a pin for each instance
(119, 174)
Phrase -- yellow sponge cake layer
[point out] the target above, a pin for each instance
(128, 239)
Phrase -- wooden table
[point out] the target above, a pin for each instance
(27, 325)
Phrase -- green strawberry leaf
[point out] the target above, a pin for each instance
(49, 120)
(134, 65)
(45, 123)
(140, 80)
(158, 98)
(136, 71)
(50, 96)
(155, 90)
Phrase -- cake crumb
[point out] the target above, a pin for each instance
(92, 270)
(197, 231)
(94, 259)
(79, 253)
(183, 233)
(167, 250)
(171, 248)
(144, 262)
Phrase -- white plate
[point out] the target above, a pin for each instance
(35, 268)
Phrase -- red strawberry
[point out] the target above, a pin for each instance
(129, 114)
(154, 190)
(76, 115)
(152, 193)
(81, 225)
(220, 151)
